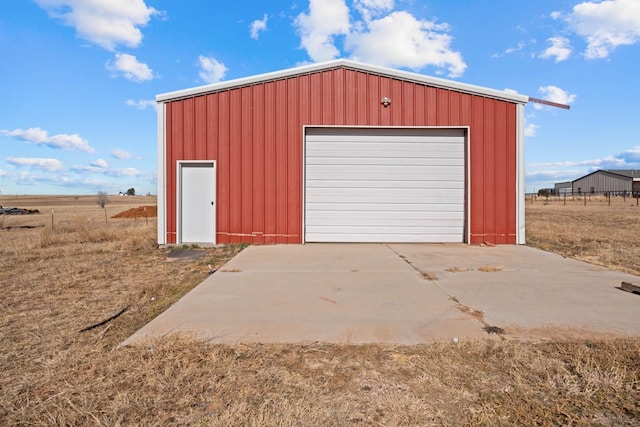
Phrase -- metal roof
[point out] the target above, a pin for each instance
(631, 173)
(621, 173)
(347, 64)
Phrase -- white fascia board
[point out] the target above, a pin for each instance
(306, 69)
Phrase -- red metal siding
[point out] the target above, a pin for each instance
(255, 133)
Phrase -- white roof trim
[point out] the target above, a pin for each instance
(306, 69)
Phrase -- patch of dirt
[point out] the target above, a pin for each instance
(177, 254)
(139, 212)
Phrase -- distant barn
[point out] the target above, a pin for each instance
(608, 181)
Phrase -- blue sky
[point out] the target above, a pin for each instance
(78, 78)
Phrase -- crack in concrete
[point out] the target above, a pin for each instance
(431, 277)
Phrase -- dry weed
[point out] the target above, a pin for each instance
(491, 268)
(429, 275)
(457, 269)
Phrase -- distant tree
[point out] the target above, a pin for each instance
(102, 198)
(131, 192)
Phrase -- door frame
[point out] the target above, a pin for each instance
(179, 165)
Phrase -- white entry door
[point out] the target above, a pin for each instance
(197, 198)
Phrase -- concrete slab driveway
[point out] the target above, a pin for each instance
(400, 293)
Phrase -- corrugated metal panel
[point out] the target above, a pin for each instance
(255, 133)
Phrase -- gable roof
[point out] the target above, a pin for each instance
(611, 173)
(631, 173)
(351, 65)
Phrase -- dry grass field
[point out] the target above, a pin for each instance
(58, 281)
(605, 233)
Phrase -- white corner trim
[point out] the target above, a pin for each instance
(521, 238)
(160, 174)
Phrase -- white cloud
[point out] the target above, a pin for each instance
(142, 104)
(41, 137)
(606, 25)
(130, 67)
(521, 45)
(257, 26)
(555, 94)
(555, 15)
(605, 162)
(124, 172)
(86, 169)
(317, 29)
(104, 170)
(100, 163)
(371, 8)
(120, 154)
(50, 165)
(382, 36)
(107, 23)
(631, 156)
(559, 50)
(419, 44)
(211, 70)
(530, 129)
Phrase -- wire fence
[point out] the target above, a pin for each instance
(603, 198)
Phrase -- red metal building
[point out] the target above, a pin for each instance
(340, 151)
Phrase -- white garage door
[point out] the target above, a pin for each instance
(384, 185)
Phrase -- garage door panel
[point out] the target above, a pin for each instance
(339, 184)
(347, 150)
(353, 196)
(385, 222)
(383, 230)
(373, 134)
(392, 235)
(376, 238)
(373, 137)
(386, 160)
(317, 217)
(387, 185)
(376, 172)
(373, 207)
